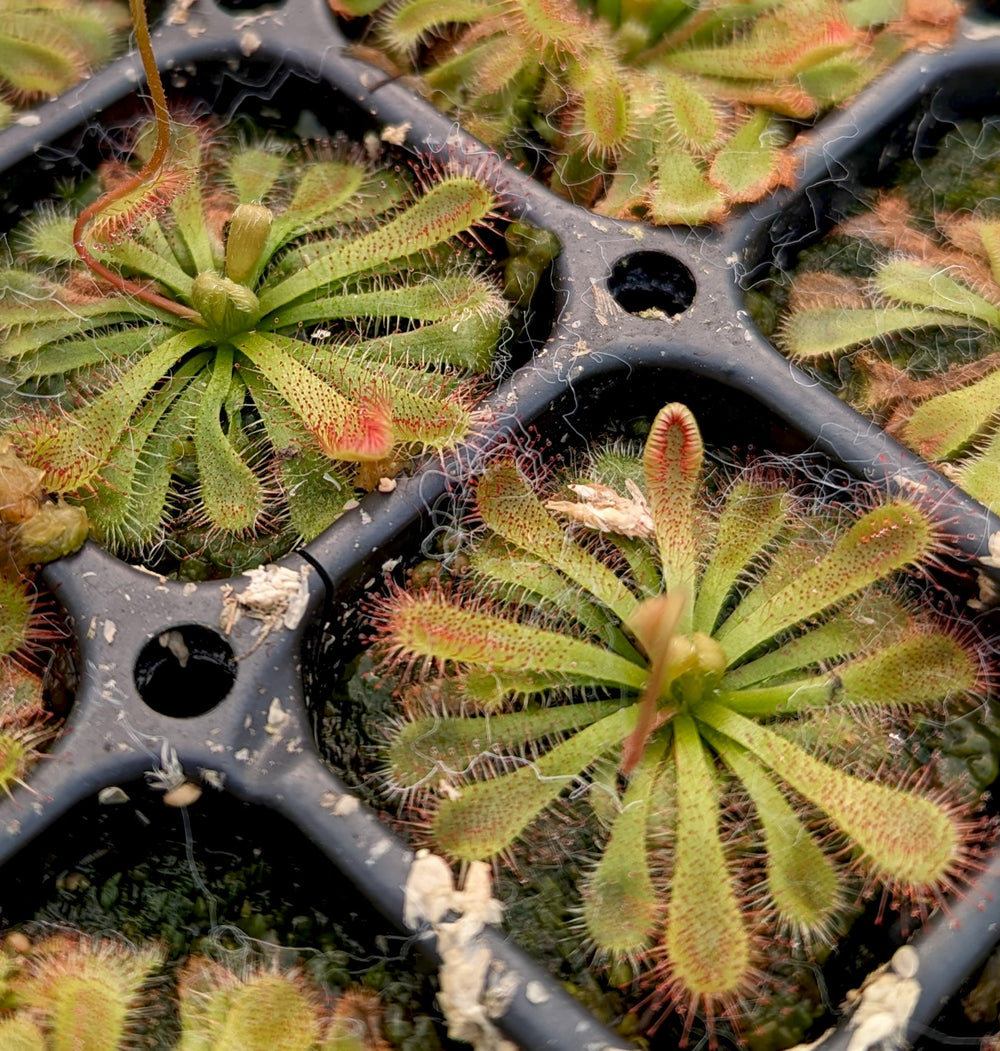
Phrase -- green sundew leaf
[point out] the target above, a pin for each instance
(492, 691)
(188, 208)
(433, 299)
(324, 190)
(836, 639)
(917, 284)
(21, 1034)
(907, 838)
(486, 817)
(408, 24)
(778, 46)
(85, 35)
(262, 1012)
(15, 616)
(804, 884)
(820, 331)
(434, 423)
(536, 581)
(87, 993)
(867, 14)
(617, 467)
(507, 504)
(154, 238)
(48, 236)
(253, 171)
(628, 191)
(838, 79)
(889, 538)
(817, 691)
(22, 304)
(497, 72)
(466, 344)
(425, 626)
(316, 488)
(689, 113)
(749, 164)
(705, 938)
(381, 192)
(979, 475)
(358, 428)
(431, 746)
(912, 672)
(128, 506)
(605, 103)
(451, 206)
(989, 236)
(681, 192)
(23, 288)
(132, 255)
(34, 68)
(620, 904)
(45, 338)
(752, 518)
(424, 410)
(98, 348)
(672, 464)
(721, 20)
(944, 425)
(643, 564)
(231, 492)
(81, 444)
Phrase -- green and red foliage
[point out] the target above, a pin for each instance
(723, 656)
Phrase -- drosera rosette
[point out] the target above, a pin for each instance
(898, 308)
(738, 657)
(64, 988)
(267, 1007)
(673, 112)
(238, 333)
(924, 289)
(316, 326)
(70, 990)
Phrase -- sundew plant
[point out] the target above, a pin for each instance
(727, 663)
(898, 309)
(33, 529)
(671, 112)
(241, 333)
(72, 990)
(46, 46)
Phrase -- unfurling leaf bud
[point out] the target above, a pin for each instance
(226, 306)
(248, 230)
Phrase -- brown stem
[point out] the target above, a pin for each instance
(653, 624)
(152, 167)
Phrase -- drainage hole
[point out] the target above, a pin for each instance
(651, 284)
(185, 671)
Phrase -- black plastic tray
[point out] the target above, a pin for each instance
(249, 719)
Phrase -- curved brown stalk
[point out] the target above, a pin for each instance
(149, 170)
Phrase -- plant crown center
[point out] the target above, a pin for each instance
(227, 304)
(683, 668)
